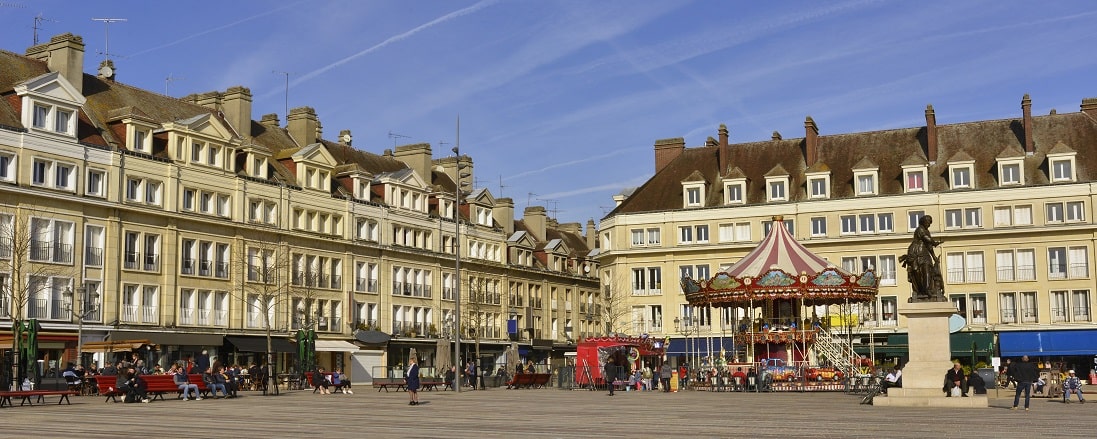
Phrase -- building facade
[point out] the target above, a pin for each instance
(1012, 200)
(187, 223)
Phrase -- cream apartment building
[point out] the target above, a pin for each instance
(189, 224)
(1012, 199)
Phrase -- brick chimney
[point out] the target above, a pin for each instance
(236, 105)
(503, 213)
(63, 54)
(303, 125)
(1026, 112)
(666, 150)
(722, 149)
(775, 136)
(417, 157)
(931, 134)
(592, 234)
(811, 141)
(270, 121)
(1089, 106)
(535, 219)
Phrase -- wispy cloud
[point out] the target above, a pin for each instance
(389, 41)
(218, 28)
(571, 163)
(592, 189)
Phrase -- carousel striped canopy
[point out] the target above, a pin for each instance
(781, 251)
(780, 268)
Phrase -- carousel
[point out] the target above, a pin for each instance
(779, 289)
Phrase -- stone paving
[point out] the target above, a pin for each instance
(546, 413)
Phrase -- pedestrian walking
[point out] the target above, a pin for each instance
(1024, 372)
(412, 381)
(608, 374)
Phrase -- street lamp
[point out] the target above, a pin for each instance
(459, 182)
(682, 326)
(87, 297)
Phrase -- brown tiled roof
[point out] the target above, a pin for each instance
(981, 141)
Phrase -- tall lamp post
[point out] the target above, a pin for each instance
(87, 297)
(682, 326)
(458, 190)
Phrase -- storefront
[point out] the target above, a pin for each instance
(1067, 349)
(332, 354)
(173, 346)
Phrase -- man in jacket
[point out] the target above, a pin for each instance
(955, 378)
(609, 374)
(665, 373)
(1072, 385)
(1024, 372)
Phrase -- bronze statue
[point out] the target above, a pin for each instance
(923, 266)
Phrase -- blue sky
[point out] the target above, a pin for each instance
(561, 101)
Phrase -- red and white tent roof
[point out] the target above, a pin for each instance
(780, 251)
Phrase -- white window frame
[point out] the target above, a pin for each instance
(885, 223)
(865, 182)
(918, 173)
(961, 175)
(735, 191)
(1062, 167)
(1010, 172)
(819, 226)
(818, 185)
(7, 166)
(693, 194)
(777, 189)
(92, 189)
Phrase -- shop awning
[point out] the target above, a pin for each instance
(372, 337)
(115, 346)
(170, 338)
(1044, 343)
(245, 343)
(960, 344)
(335, 346)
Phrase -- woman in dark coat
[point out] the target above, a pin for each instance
(412, 381)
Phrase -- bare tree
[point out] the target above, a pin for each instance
(33, 257)
(480, 303)
(263, 286)
(611, 306)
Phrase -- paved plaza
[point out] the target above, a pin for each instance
(542, 413)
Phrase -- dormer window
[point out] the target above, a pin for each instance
(818, 186)
(50, 104)
(695, 195)
(1009, 174)
(141, 141)
(734, 191)
(1062, 169)
(866, 183)
(915, 179)
(53, 118)
(259, 167)
(961, 175)
(776, 188)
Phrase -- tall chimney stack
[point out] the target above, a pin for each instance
(236, 105)
(666, 150)
(303, 125)
(931, 134)
(1089, 106)
(592, 235)
(535, 219)
(1026, 112)
(63, 54)
(722, 149)
(811, 140)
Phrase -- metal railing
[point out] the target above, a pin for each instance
(93, 256)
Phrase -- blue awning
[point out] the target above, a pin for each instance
(1043, 343)
(700, 345)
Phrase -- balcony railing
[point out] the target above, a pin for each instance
(205, 268)
(186, 316)
(1081, 314)
(1058, 314)
(1079, 270)
(186, 266)
(131, 260)
(129, 314)
(221, 270)
(258, 274)
(93, 256)
(50, 251)
(1028, 315)
(152, 263)
(5, 248)
(149, 314)
(255, 320)
(203, 317)
(1009, 315)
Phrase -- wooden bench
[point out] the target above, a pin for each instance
(159, 385)
(386, 383)
(26, 395)
(429, 385)
(105, 385)
(529, 381)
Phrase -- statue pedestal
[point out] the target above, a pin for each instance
(924, 373)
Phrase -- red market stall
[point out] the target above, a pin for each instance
(627, 352)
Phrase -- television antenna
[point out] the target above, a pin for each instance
(286, 74)
(170, 79)
(38, 20)
(396, 138)
(106, 33)
(501, 185)
(555, 205)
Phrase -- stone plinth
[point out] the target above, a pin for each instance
(924, 373)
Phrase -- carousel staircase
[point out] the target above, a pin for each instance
(836, 349)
